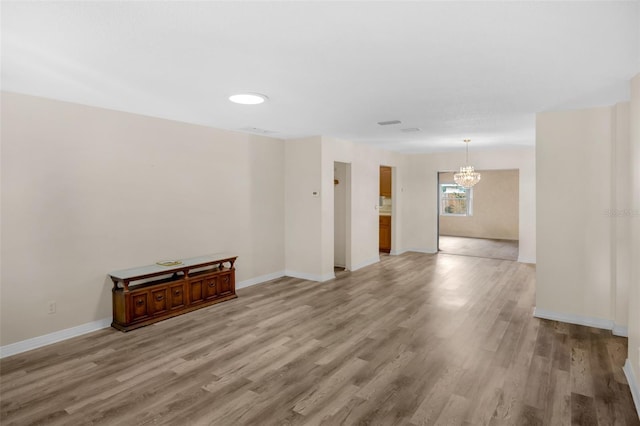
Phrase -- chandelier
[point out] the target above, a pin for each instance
(467, 177)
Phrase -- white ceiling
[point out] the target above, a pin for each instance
(454, 69)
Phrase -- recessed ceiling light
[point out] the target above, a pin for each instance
(248, 98)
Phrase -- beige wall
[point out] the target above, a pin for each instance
(634, 284)
(495, 207)
(574, 230)
(303, 252)
(86, 191)
(620, 223)
(420, 209)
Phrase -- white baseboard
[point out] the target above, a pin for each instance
(574, 319)
(260, 279)
(310, 277)
(620, 330)
(327, 277)
(365, 263)
(415, 250)
(397, 252)
(633, 384)
(423, 250)
(57, 336)
(527, 260)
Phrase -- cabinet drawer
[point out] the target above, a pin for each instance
(225, 284)
(139, 305)
(159, 301)
(176, 296)
(210, 287)
(195, 291)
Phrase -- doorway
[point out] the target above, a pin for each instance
(341, 216)
(482, 221)
(385, 209)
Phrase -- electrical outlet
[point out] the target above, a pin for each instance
(52, 307)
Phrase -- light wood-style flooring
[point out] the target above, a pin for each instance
(479, 247)
(416, 339)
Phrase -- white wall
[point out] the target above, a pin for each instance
(620, 222)
(634, 284)
(86, 191)
(420, 217)
(420, 206)
(303, 215)
(398, 202)
(574, 267)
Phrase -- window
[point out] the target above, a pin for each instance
(455, 200)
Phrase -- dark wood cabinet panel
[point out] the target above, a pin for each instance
(139, 305)
(176, 296)
(195, 291)
(385, 234)
(225, 283)
(385, 181)
(159, 300)
(209, 288)
(145, 295)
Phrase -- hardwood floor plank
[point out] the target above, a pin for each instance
(529, 416)
(435, 402)
(331, 408)
(454, 411)
(581, 376)
(583, 410)
(538, 383)
(385, 376)
(326, 389)
(558, 405)
(484, 401)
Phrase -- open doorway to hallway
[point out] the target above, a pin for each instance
(482, 221)
(341, 216)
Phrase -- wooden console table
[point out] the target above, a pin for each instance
(144, 295)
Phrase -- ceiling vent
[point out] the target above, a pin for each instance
(257, 130)
(387, 123)
(411, 130)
